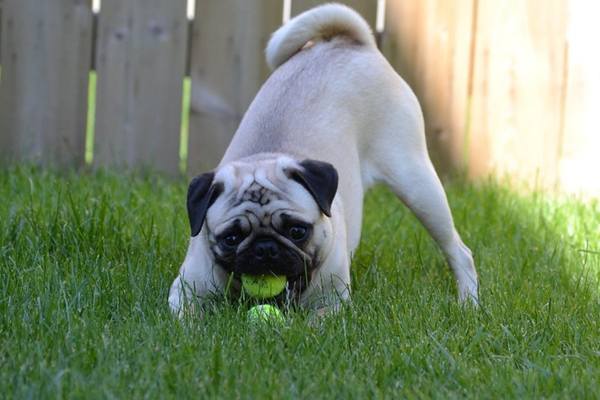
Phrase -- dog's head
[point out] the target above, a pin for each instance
(266, 215)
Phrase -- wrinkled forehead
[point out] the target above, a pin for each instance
(241, 176)
(264, 185)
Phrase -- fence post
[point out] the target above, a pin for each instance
(43, 91)
(228, 68)
(140, 63)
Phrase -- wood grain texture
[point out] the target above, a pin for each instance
(427, 42)
(43, 92)
(228, 67)
(140, 63)
(366, 8)
(518, 78)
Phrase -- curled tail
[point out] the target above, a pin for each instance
(319, 23)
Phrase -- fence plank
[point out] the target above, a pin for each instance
(428, 42)
(1, 3)
(141, 61)
(227, 70)
(43, 92)
(517, 90)
(366, 8)
(579, 163)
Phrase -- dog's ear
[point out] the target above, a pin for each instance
(320, 179)
(201, 195)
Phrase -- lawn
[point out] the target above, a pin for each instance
(87, 259)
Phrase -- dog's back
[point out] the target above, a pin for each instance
(326, 68)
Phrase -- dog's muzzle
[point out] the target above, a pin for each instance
(266, 255)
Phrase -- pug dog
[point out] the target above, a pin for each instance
(332, 120)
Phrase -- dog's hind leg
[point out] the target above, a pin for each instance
(418, 186)
(399, 157)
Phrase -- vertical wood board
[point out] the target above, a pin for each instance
(228, 67)
(141, 52)
(1, 3)
(43, 91)
(515, 125)
(428, 42)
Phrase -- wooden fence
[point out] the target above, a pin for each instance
(508, 87)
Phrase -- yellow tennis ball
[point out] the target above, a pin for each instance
(263, 286)
(265, 313)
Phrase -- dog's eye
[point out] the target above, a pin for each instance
(228, 242)
(232, 240)
(297, 232)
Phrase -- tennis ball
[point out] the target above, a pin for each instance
(263, 286)
(265, 313)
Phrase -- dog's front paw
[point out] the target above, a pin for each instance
(183, 303)
(318, 315)
(185, 309)
(469, 296)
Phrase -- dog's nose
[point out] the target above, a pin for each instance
(266, 250)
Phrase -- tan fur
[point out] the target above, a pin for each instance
(340, 101)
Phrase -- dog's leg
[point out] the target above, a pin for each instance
(418, 186)
(399, 157)
(197, 279)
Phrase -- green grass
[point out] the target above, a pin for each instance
(86, 262)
